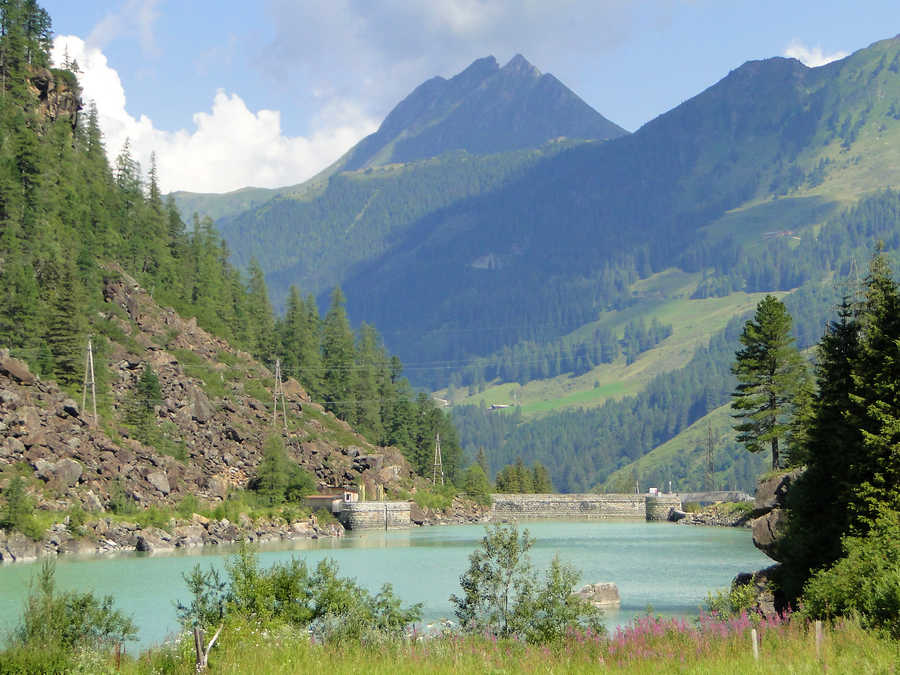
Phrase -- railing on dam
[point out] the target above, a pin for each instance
(581, 506)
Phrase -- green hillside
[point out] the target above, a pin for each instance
(665, 296)
(569, 237)
(683, 460)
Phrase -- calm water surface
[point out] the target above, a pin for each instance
(668, 567)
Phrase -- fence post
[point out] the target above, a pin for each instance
(198, 645)
(819, 638)
(755, 642)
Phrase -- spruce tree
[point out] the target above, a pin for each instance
(338, 357)
(819, 502)
(141, 412)
(877, 392)
(769, 370)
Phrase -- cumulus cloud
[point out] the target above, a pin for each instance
(229, 146)
(812, 56)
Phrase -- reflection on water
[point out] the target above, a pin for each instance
(667, 567)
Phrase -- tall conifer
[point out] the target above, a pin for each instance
(769, 370)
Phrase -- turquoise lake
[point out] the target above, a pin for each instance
(670, 568)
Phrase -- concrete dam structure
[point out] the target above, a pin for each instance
(374, 515)
(583, 506)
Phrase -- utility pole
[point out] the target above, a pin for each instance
(709, 459)
(89, 381)
(279, 394)
(438, 463)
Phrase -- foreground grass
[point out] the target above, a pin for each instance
(647, 646)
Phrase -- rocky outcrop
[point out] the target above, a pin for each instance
(770, 517)
(462, 511)
(602, 594)
(769, 601)
(717, 515)
(57, 93)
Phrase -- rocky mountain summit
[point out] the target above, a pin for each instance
(216, 411)
(484, 109)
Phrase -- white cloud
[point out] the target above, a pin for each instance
(133, 17)
(812, 56)
(229, 147)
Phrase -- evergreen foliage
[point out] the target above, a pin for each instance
(475, 484)
(278, 479)
(850, 483)
(769, 370)
(68, 218)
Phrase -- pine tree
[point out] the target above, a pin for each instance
(66, 331)
(877, 392)
(819, 502)
(541, 480)
(769, 370)
(260, 314)
(338, 356)
(141, 413)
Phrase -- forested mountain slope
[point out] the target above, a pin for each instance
(550, 251)
(183, 343)
(447, 141)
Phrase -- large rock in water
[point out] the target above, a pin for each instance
(601, 594)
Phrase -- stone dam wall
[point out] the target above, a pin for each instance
(375, 515)
(583, 506)
(395, 515)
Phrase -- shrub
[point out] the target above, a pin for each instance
(503, 595)
(56, 625)
(865, 583)
(437, 497)
(18, 513)
(333, 607)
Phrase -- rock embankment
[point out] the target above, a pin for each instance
(461, 511)
(107, 535)
(603, 594)
(726, 514)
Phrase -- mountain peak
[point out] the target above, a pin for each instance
(520, 65)
(483, 109)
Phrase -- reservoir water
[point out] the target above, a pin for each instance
(667, 567)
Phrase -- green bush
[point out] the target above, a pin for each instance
(475, 484)
(18, 512)
(437, 497)
(733, 602)
(865, 583)
(333, 607)
(55, 626)
(504, 596)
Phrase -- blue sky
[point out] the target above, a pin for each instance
(268, 93)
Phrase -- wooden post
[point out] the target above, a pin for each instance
(198, 646)
(755, 641)
(819, 638)
(203, 654)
